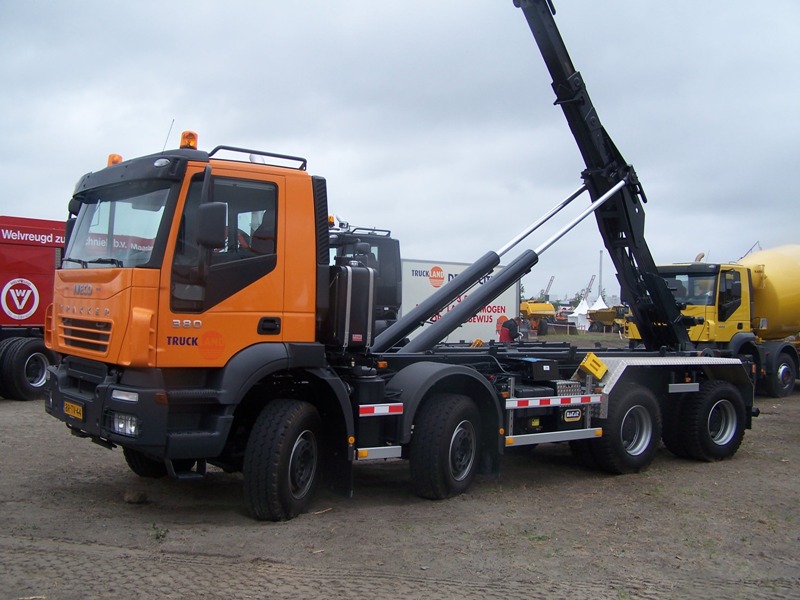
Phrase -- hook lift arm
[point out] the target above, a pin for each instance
(621, 219)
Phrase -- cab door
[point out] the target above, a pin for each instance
(733, 304)
(215, 302)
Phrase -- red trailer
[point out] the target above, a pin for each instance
(30, 251)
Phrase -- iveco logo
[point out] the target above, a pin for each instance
(82, 289)
(572, 414)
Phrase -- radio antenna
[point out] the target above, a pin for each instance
(168, 132)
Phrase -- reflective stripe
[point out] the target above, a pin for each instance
(379, 410)
(559, 401)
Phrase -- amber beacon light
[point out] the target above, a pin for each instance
(189, 140)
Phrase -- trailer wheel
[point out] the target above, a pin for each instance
(143, 465)
(631, 432)
(713, 421)
(281, 462)
(444, 448)
(781, 383)
(24, 368)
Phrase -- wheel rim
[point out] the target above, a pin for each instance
(636, 430)
(722, 422)
(784, 375)
(462, 450)
(35, 369)
(303, 464)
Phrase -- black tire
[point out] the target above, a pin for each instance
(780, 383)
(445, 445)
(143, 465)
(24, 368)
(4, 346)
(282, 460)
(582, 450)
(631, 432)
(541, 328)
(713, 421)
(671, 421)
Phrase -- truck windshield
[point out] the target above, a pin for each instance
(693, 288)
(117, 225)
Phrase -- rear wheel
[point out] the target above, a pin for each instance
(281, 462)
(582, 450)
(631, 432)
(671, 426)
(780, 383)
(444, 448)
(713, 421)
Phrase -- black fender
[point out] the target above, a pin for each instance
(257, 362)
(254, 363)
(246, 368)
(417, 381)
(773, 349)
(744, 343)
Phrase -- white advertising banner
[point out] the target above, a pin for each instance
(421, 278)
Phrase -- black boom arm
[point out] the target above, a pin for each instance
(621, 219)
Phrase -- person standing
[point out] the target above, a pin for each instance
(509, 330)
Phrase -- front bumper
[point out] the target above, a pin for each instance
(133, 409)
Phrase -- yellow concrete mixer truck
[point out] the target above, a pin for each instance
(751, 307)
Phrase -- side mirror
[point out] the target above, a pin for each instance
(74, 206)
(211, 219)
(69, 227)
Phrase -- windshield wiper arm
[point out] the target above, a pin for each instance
(106, 261)
(75, 260)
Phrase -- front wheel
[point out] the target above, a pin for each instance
(713, 421)
(143, 465)
(281, 463)
(631, 432)
(444, 448)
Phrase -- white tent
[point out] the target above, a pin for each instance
(599, 304)
(579, 315)
(582, 308)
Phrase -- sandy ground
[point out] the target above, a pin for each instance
(76, 523)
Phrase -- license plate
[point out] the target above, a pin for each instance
(73, 409)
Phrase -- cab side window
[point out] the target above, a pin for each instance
(730, 293)
(249, 252)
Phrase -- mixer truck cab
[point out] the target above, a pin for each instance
(748, 308)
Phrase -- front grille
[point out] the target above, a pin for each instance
(85, 334)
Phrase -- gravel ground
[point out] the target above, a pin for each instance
(76, 523)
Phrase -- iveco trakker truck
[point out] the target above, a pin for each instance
(201, 321)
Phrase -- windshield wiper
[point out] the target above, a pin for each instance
(75, 260)
(105, 261)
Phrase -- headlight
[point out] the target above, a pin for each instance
(124, 424)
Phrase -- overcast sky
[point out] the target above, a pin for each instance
(434, 119)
